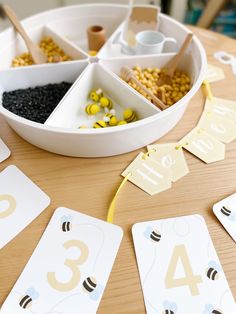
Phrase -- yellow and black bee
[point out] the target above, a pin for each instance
(230, 214)
(92, 109)
(99, 124)
(213, 270)
(129, 115)
(210, 309)
(91, 287)
(27, 300)
(96, 94)
(66, 223)
(154, 235)
(169, 307)
(110, 119)
(106, 102)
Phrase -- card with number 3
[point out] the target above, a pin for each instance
(69, 269)
(179, 269)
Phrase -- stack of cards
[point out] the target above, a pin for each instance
(179, 269)
(21, 201)
(4, 151)
(225, 211)
(69, 269)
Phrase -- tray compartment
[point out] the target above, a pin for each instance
(70, 113)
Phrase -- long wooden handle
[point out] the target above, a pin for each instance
(156, 100)
(15, 21)
(172, 65)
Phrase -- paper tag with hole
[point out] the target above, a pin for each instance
(223, 107)
(171, 157)
(148, 174)
(204, 146)
(221, 128)
(214, 74)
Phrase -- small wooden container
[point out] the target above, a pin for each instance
(96, 37)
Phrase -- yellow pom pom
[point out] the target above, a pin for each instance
(121, 122)
(92, 109)
(106, 102)
(95, 94)
(113, 121)
(129, 115)
(99, 124)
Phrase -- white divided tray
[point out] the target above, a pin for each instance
(60, 133)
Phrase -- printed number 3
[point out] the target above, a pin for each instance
(11, 205)
(190, 279)
(72, 264)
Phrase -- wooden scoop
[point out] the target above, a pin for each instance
(36, 53)
(128, 75)
(166, 78)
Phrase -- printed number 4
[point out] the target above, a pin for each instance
(190, 279)
(73, 265)
(11, 205)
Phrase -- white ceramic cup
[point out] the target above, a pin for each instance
(151, 42)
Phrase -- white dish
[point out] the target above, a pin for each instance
(59, 134)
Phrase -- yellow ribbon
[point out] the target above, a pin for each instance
(111, 210)
(147, 154)
(207, 89)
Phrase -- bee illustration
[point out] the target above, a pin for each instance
(209, 309)
(66, 223)
(213, 270)
(94, 289)
(96, 94)
(169, 307)
(27, 300)
(226, 211)
(154, 235)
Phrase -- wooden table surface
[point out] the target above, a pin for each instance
(87, 185)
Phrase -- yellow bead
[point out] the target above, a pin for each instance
(95, 95)
(129, 115)
(105, 102)
(121, 122)
(99, 124)
(92, 109)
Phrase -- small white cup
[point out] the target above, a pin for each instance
(151, 42)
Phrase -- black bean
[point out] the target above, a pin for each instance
(37, 103)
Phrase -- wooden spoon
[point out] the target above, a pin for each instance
(128, 75)
(166, 78)
(36, 53)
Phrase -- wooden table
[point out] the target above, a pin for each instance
(87, 185)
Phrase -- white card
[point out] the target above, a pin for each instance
(225, 211)
(69, 269)
(179, 269)
(21, 201)
(4, 151)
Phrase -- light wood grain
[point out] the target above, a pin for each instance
(87, 185)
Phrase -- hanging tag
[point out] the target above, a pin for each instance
(171, 157)
(204, 146)
(148, 175)
(221, 128)
(223, 107)
(214, 74)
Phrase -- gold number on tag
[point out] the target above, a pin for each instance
(12, 205)
(190, 279)
(73, 265)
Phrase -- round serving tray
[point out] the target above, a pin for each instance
(67, 26)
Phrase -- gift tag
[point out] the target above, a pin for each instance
(4, 151)
(69, 268)
(218, 126)
(21, 201)
(223, 107)
(225, 211)
(148, 174)
(214, 74)
(179, 269)
(204, 146)
(170, 156)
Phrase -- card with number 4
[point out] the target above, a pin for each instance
(179, 269)
(21, 201)
(225, 211)
(69, 268)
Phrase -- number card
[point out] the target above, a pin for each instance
(179, 269)
(4, 151)
(21, 201)
(69, 269)
(225, 211)
(223, 107)
(214, 74)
